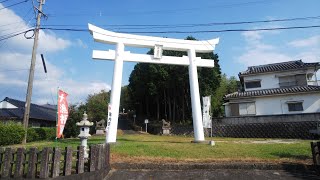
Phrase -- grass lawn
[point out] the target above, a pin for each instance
(152, 148)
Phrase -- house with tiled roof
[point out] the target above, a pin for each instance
(40, 115)
(272, 89)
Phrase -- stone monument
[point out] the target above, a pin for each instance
(100, 127)
(84, 133)
(166, 127)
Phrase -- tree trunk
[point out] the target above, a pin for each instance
(158, 108)
(174, 109)
(169, 108)
(147, 106)
(165, 105)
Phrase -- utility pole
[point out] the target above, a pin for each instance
(31, 72)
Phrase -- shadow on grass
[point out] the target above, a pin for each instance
(291, 156)
(76, 142)
(130, 140)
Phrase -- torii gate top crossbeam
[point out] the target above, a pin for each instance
(109, 37)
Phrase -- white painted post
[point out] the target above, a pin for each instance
(115, 93)
(109, 37)
(195, 97)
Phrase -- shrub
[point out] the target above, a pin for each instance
(41, 133)
(32, 135)
(45, 133)
(50, 133)
(11, 133)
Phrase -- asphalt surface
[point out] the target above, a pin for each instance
(238, 174)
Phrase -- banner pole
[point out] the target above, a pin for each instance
(56, 139)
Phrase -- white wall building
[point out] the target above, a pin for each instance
(281, 88)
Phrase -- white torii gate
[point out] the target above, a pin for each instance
(119, 55)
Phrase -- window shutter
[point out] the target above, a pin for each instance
(251, 108)
(243, 108)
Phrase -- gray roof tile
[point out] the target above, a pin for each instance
(290, 65)
(275, 91)
(36, 111)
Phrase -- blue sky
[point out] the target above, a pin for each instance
(68, 54)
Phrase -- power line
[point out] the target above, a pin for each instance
(14, 4)
(141, 26)
(4, 1)
(11, 35)
(167, 32)
(184, 32)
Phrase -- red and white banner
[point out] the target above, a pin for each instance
(62, 112)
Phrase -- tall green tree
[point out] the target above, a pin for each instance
(226, 86)
(97, 105)
(75, 115)
(163, 91)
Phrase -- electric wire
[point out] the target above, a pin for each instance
(184, 32)
(166, 32)
(14, 4)
(4, 1)
(154, 26)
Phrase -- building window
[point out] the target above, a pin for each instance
(234, 108)
(295, 106)
(247, 108)
(253, 84)
(294, 80)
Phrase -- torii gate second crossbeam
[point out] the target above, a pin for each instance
(119, 55)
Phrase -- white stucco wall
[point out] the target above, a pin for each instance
(279, 105)
(268, 81)
(271, 105)
(6, 105)
(271, 80)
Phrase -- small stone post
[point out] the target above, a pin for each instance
(84, 132)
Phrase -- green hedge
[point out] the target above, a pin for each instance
(32, 135)
(37, 134)
(11, 133)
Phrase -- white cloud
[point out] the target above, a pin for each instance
(11, 23)
(252, 36)
(309, 42)
(14, 71)
(15, 62)
(258, 52)
(80, 43)
(51, 43)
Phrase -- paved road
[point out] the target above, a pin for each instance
(237, 174)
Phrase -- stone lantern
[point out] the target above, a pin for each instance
(84, 132)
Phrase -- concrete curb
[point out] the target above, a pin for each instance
(206, 166)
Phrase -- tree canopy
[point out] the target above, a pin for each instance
(163, 91)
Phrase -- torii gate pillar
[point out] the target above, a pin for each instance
(120, 55)
(115, 94)
(195, 97)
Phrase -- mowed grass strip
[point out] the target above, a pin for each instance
(181, 148)
(136, 147)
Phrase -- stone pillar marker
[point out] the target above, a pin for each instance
(84, 125)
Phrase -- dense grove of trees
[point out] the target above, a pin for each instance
(159, 92)
(163, 91)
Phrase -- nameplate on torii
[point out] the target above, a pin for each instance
(144, 58)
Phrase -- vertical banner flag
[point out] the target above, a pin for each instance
(62, 112)
(207, 122)
(109, 119)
